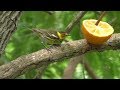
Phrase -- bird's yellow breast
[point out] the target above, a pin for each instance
(59, 35)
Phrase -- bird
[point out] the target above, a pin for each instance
(50, 37)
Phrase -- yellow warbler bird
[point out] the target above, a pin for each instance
(50, 37)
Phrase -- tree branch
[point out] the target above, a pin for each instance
(70, 69)
(75, 21)
(88, 68)
(43, 57)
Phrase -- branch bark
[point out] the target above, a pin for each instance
(43, 57)
(8, 21)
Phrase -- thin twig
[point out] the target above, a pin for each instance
(75, 21)
(100, 18)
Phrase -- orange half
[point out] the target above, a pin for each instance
(96, 34)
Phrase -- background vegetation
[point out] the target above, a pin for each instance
(105, 64)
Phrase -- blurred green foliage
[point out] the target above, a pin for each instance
(105, 64)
